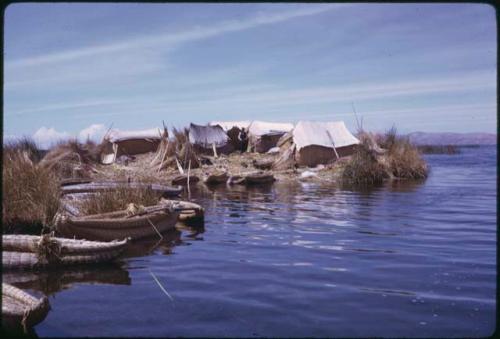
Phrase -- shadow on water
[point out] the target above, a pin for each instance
(52, 281)
(170, 239)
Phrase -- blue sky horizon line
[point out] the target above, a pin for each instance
(421, 67)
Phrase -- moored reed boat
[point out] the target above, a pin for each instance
(182, 179)
(20, 309)
(189, 212)
(146, 222)
(93, 187)
(65, 246)
(259, 178)
(36, 252)
(216, 178)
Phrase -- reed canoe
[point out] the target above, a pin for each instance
(189, 212)
(216, 178)
(259, 178)
(92, 187)
(65, 246)
(118, 225)
(20, 309)
(182, 179)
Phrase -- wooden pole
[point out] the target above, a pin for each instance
(214, 149)
(189, 172)
(179, 167)
(333, 144)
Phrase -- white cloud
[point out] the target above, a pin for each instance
(46, 137)
(167, 40)
(94, 132)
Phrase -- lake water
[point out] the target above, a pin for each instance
(304, 260)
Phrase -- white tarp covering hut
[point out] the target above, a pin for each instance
(265, 135)
(116, 143)
(204, 138)
(312, 143)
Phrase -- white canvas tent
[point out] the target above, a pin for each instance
(117, 142)
(312, 143)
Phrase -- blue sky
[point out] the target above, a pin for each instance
(421, 67)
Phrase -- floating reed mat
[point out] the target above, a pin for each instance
(33, 252)
(20, 309)
(134, 222)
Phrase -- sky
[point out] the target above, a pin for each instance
(75, 70)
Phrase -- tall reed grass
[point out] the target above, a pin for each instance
(30, 192)
(117, 199)
(384, 156)
(363, 168)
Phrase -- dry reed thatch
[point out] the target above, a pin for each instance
(363, 168)
(177, 148)
(30, 193)
(71, 158)
(117, 199)
(404, 159)
(384, 156)
(26, 145)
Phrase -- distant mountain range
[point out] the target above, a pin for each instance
(423, 138)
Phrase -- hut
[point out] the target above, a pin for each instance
(116, 143)
(205, 138)
(265, 135)
(233, 130)
(313, 143)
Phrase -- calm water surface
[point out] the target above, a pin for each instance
(303, 259)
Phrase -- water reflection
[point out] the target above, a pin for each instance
(52, 281)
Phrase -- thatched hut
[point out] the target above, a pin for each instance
(265, 135)
(117, 143)
(233, 130)
(313, 143)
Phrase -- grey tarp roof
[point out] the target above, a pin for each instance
(207, 135)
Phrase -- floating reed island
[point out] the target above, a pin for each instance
(83, 203)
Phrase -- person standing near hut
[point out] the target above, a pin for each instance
(243, 138)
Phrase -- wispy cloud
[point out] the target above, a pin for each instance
(172, 39)
(66, 106)
(264, 98)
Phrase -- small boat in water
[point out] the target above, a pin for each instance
(35, 252)
(182, 179)
(189, 212)
(216, 178)
(20, 309)
(145, 222)
(259, 178)
(93, 187)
